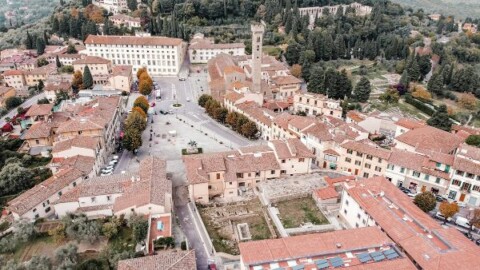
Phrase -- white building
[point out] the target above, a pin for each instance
(316, 104)
(202, 49)
(125, 21)
(160, 55)
(465, 185)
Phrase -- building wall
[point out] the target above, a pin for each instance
(33, 79)
(353, 214)
(121, 83)
(202, 56)
(417, 181)
(295, 165)
(363, 166)
(95, 69)
(465, 188)
(15, 81)
(159, 60)
(75, 151)
(40, 142)
(46, 208)
(199, 192)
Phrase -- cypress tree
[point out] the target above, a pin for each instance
(362, 90)
(87, 78)
(45, 37)
(405, 79)
(57, 62)
(316, 80)
(40, 46)
(435, 85)
(440, 119)
(29, 41)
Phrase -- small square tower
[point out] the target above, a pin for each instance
(258, 29)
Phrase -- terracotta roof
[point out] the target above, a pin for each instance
(102, 185)
(91, 60)
(133, 40)
(337, 180)
(124, 70)
(469, 130)
(12, 72)
(469, 151)
(153, 188)
(232, 69)
(331, 152)
(164, 260)
(326, 193)
(320, 131)
(62, 86)
(38, 130)
(290, 148)
(304, 247)
(355, 116)
(276, 104)
(283, 80)
(39, 109)
(233, 96)
(466, 165)
(428, 243)
(79, 142)
(367, 148)
(41, 192)
(431, 138)
(232, 162)
(406, 159)
(82, 163)
(409, 123)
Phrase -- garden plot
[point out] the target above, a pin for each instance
(221, 223)
(300, 212)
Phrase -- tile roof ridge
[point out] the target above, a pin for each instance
(180, 259)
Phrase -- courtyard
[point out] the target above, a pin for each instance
(298, 212)
(221, 223)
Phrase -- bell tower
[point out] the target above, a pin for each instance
(258, 29)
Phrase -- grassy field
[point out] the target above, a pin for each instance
(294, 213)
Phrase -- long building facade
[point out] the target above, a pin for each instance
(162, 56)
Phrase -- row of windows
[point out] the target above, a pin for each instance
(130, 46)
(467, 175)
(367, 165)
(359, 154)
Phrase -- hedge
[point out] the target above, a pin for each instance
(419, 105)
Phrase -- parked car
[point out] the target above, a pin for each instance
(477, 242)
(105, 171)
(440, 198)
(113, 162)
(105, 174)
(115, 157)
(439, 215)
(463, 222)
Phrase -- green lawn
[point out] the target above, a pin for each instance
(294, 213)
(123, 240)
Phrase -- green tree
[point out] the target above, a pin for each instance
(139, 226)
(473, 140)
(220, 114)
(292, 54)
(132, 4)
(145, 87)
(390, 96)
(440, 119)
(136, 121)
(405, 79)
(40, 85)
(435, 84)
(413, 69)
(87, 81)
(39, 263)
(425, 201)
(40, 45)
(110, 229)
(203, 99)
(15, 178)
(71, 49)
(132, 139)
(362, 90)
(316, 81)
(42, 62)
(67, 257)
(448, 210)
(29, 44)
(12, 102)
(57, 62)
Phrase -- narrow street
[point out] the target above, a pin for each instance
(27, 103)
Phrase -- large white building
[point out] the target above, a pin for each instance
(160, 55)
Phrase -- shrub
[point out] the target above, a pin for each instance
(419, 105)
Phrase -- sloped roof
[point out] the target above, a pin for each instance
(431, 138)
(164, 260)
(39, 109)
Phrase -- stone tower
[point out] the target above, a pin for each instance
(257, 41)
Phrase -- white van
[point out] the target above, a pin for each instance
(463, 222)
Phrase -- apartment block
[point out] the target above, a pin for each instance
(202, 49)
(465, 185)
(160, 55)
(316, 104)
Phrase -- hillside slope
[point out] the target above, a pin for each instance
(459, 8)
